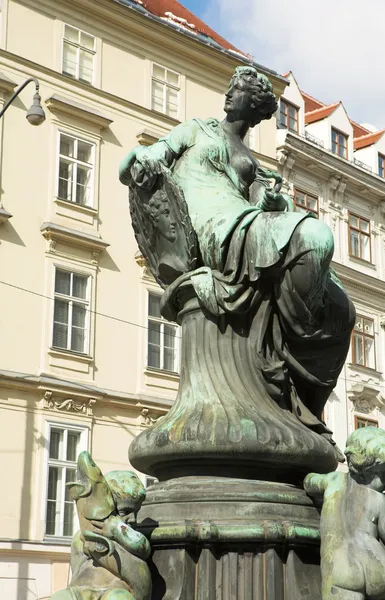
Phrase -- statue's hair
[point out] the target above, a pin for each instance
(261, 91)
(152, 211)
(365, 450)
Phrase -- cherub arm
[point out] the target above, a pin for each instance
(114, 528)
(315, 484)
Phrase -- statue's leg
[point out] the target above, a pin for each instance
(118, 594)
(313, 244)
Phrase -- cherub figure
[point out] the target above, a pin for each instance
(353, 520)
(107, 555)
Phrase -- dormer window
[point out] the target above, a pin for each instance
(339, 143)
(381, 165)
(288, 116)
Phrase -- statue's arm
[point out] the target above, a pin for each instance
(315, 484)
(114, 528)
(263, 196)
(143, 164)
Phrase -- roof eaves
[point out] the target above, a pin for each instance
(202, 38)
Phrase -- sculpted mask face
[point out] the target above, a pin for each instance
(239, 102)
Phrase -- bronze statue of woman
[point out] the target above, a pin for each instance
(274, 321)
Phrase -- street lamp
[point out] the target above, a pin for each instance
(35, 115)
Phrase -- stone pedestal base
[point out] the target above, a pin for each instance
(231, 539)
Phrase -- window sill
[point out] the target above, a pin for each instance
(78, 207)
(57, 540)
(70, 354)
(362, 261)
(364, 369)
(162, 374)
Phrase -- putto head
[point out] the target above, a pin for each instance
(263, 101)
(365, 452)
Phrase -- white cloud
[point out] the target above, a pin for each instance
(335, 48)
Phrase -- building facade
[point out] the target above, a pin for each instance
(336, 171)
(86, 360)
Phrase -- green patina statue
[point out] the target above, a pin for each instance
(353, 520)
(108, 557)
(274, 320)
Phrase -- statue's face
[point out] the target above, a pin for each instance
(165, 224)
(239, 101)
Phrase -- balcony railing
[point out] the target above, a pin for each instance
(363, 165)
(314, 139)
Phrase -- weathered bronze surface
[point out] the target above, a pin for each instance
(353, 520)
(108, 556)
(266, 324)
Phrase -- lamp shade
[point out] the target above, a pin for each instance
(36, 114)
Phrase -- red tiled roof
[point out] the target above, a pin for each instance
(320, 113)
(368, 139)
(161, 7)
(358, 130)
(311, 103)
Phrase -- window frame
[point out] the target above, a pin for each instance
(306, 208)
(166, 84)
(364, 335)
(83, 443)
(287, 115)
(78, 48)
(381, 158)
(360, 232)
(373, 422)
(76, 162)
(162, 322)
(64, 297)
(338, 144)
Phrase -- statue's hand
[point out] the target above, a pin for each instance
(273, 201)
(108, 527)
(144, 172)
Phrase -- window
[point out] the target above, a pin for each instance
(64, 446)
(165, 88)
(362, 422)
(71, 311)
(359, 237)
(381, 165)
(162, 347)
(339, 143)
(76, 165)
(288, 116)
(363, 346)
(305, 202)
(78, 54)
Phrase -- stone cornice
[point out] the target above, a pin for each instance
(68, 107)
(360, 281)
(6, 84)
(81, 392)
(305, 151)
(58, 233)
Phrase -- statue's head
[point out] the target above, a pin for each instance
(365, 454)
(127, 490)
(161, 220)
(251, 95)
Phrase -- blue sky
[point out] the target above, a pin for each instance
(333, 47)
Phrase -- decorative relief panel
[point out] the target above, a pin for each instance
(84, 407)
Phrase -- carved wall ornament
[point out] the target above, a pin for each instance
(147, 419)
(68, 404)
(365, 398)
